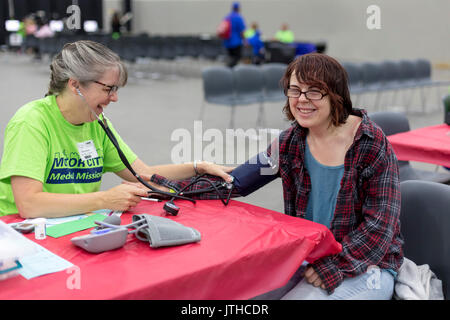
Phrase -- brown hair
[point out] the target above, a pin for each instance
(325, 73)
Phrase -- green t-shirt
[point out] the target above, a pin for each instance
(41, 144)
(249, 33)
(286, 36)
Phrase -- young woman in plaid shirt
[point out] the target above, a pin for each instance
(338, 169)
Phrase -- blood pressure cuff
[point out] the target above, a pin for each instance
(180, 184)
(163, 232)
(255, 173)
(248, 177)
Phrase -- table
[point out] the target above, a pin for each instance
(430, 144)
(245, 251)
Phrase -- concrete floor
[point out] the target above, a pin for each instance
(156, 105)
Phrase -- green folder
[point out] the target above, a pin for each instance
(66, 228)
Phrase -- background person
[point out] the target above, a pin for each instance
(234, 44)
(116, 25)
(55, 153)
(284, 34)
(43, 29)
(254, 40)
(250, 32)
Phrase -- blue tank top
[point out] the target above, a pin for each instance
(325, 185)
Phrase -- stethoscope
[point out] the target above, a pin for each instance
(182, 194)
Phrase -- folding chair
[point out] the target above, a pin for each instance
(249, 88)
(218, 88)
(425, 221)
(272, 74)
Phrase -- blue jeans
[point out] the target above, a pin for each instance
(375, 284)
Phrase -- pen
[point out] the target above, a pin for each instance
(113, 212)
(151, 199)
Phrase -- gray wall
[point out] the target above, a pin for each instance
(409, 28)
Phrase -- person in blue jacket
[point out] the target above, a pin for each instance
(258, 47)
(234, 43)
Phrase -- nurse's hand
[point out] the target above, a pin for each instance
(123, 197)
(146, 178)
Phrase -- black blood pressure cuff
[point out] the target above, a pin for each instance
(254, 173)
(248, 177)
(163, 232)
(177, 185)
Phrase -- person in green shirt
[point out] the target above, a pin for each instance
(55, 153)
(285, 35)
(250, 32)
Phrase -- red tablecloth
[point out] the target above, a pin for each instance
(245, 251)
(429, 144)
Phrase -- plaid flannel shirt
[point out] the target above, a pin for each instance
(366, 218)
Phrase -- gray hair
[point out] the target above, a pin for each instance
(84, 61)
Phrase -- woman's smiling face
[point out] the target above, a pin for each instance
(309, 113)
(99, 96)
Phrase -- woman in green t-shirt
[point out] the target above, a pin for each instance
(55, 153)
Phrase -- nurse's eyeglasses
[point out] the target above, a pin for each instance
(111, 90)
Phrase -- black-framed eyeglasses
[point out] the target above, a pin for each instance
(310, 95)
(111, 90)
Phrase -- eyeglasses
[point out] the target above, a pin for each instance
(310, 95)
(111, 88)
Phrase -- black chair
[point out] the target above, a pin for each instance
(249, 88)
(354, 79)
(192, 47)
(242, 85)
(153, 49)
(218, 88)
(390, 75)
(423, 72)
(168, 49)
(272, 74)
(425, 225)
(211, 49)
(279, 52)
(446, 102)
(396, 122)
(372, 80)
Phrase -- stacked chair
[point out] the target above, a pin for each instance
(242, 85)
(394, 76)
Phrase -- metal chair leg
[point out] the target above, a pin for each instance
(422, 98)
(260, 121)
(232, 116)
(377, 100)
(202, 111)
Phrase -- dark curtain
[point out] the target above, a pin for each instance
(24, 7)
(127, 8)
(59, 8)
(3, 17)
(92, 10)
